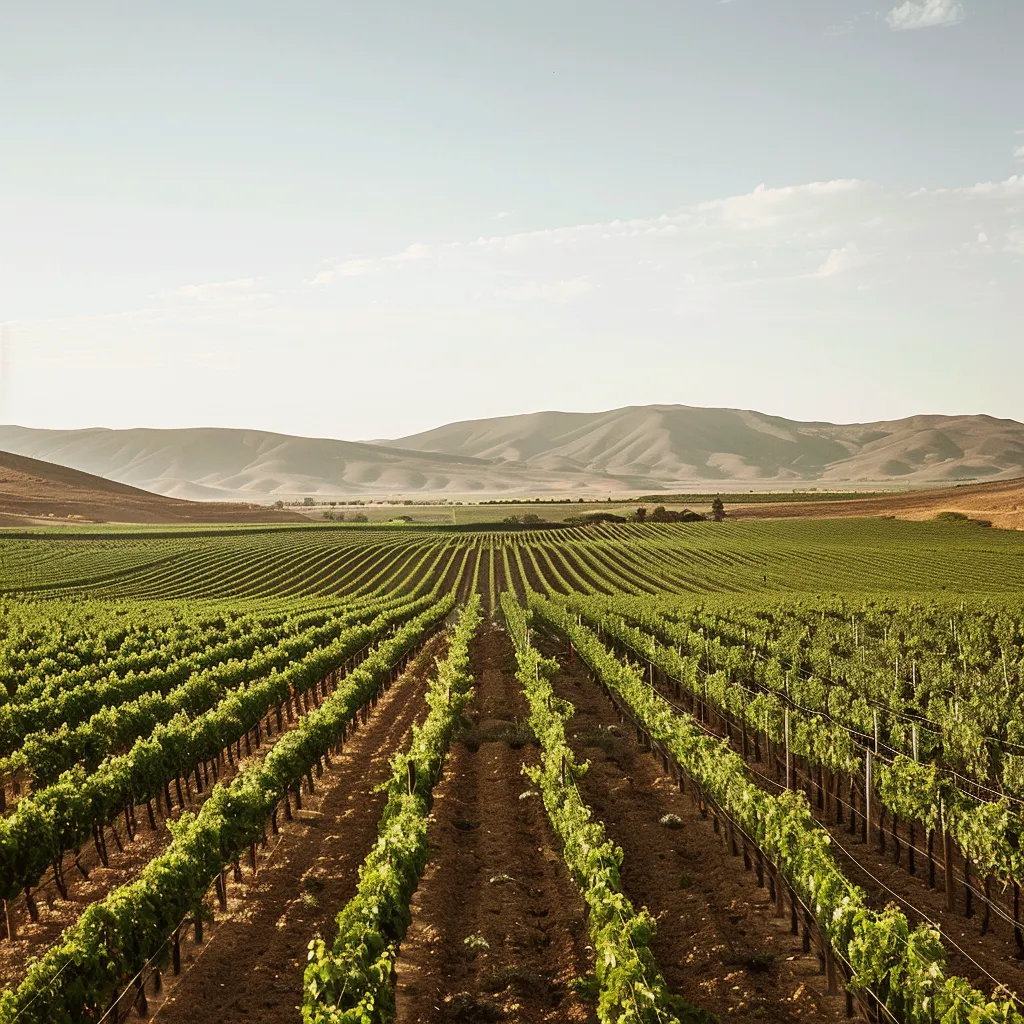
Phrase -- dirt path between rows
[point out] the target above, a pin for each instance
(718, 943)
(984, 959)
(496, 875)
(250, 967)
(126, 859)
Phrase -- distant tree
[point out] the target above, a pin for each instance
(329, 514)
(278, 504)
(530, 519)
(307, 501)
(591, 518)
(641, 514)
(717, 509)
(360, 517)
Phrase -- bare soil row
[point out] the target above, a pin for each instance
(719, 943)
(499, 929)
(249, 967)
(984, 950)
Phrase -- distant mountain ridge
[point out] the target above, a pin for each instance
(637, 448)
(666, 442)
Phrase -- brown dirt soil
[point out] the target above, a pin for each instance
(718, 943)
(33, 491)
(972, 955)
(57, 913)
(980, 958)
(249, 969)
(1001, 502)
(495, 872)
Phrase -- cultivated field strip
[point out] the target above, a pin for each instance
(914, 757)
(249, 963)
(700, 558)
(841, 699)
(836, 913)
(353, 974)
(49, 827)
(76, 977)
(117, 673)
(631, 986)
(947, 832)
(73, 733)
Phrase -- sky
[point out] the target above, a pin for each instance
(362, 220)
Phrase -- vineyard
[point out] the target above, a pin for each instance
(616, 773)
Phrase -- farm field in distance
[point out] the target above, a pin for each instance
(491, 511)
(759, 769)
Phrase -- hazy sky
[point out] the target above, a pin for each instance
(365, 219)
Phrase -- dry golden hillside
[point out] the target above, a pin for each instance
(1001, 503)
(33, 491)
(638, 449)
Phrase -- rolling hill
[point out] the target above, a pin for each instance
(666, 443)
(630, 450)
(220, 464)
(32, 491)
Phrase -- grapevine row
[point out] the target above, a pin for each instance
(350, 981)
(631, 987)
(902, 967)
(117, 940)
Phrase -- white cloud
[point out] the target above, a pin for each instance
(849, 231)
(551, 291)
(362, 266)
(838, 261)
(767, 207)
(214, 290)
(354, 268)
(411, 253)
(347, 268)
(1019, 153)
(1012, 187)
(925, 14)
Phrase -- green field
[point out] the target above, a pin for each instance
(551, 510)
(827, 556)
(841, 699)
